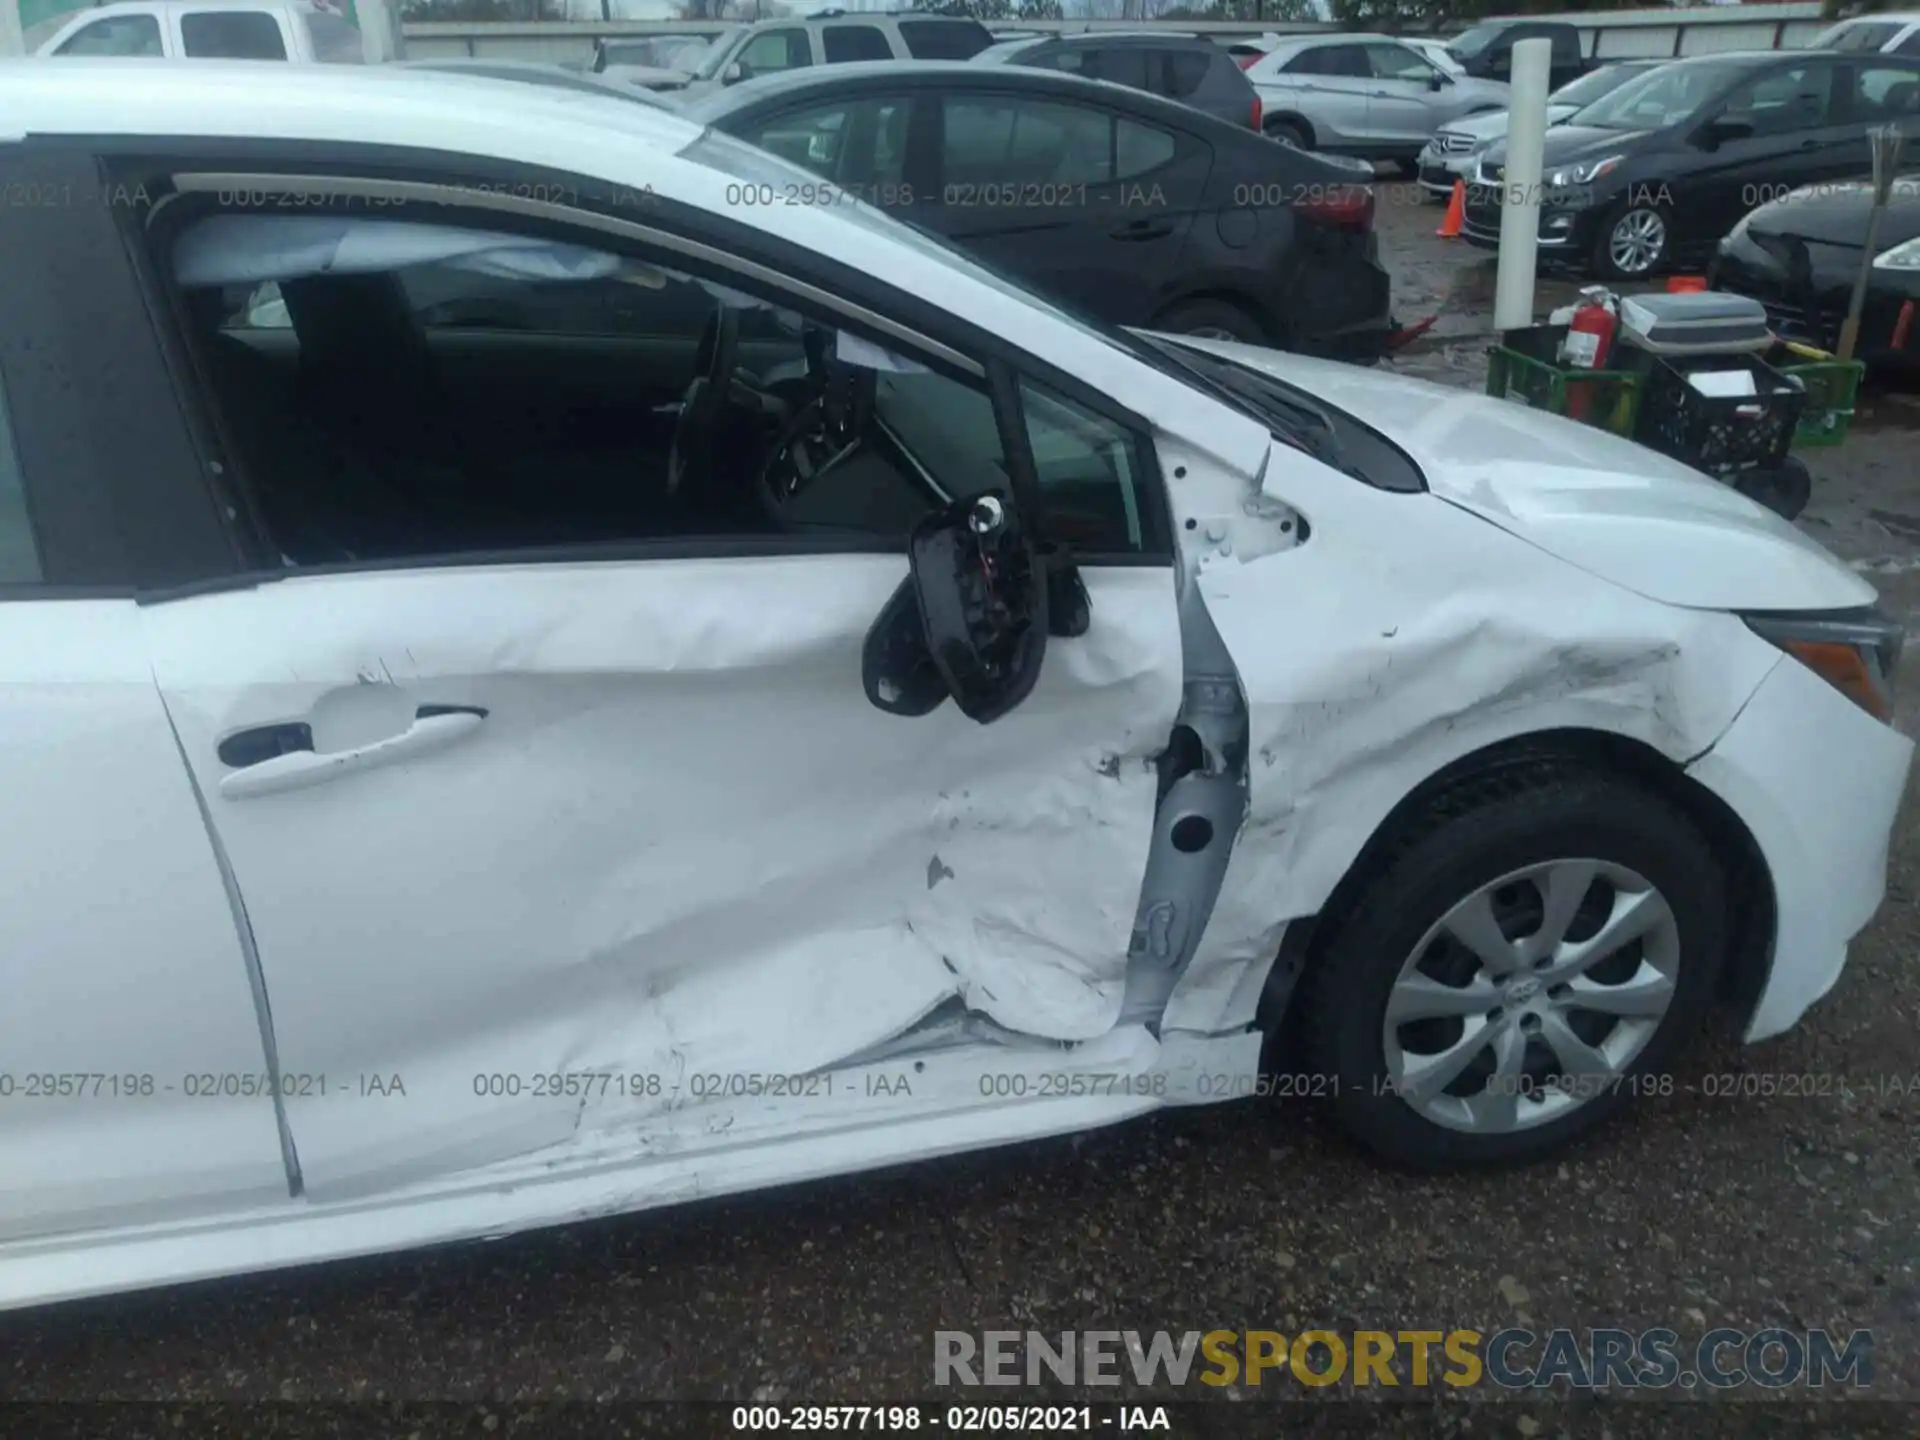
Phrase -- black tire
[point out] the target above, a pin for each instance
(1784, 489)
(1289, 132)
(1220, 319)
(1408, 169)
(1602, 261)
(1471, 835)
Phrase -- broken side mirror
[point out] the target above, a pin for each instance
(896, 667)
(979, 586)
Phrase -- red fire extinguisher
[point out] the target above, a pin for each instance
(1590, 333)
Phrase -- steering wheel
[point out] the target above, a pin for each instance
(816, 435)
(696, 433)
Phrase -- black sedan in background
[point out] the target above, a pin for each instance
(1655, 173)
(1799, 257)
(1110, 201)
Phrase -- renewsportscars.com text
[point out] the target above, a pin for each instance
(1511, 1358)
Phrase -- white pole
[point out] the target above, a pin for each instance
(13, 40)
(1520, 190)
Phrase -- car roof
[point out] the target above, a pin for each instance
(151, 7)
(858, 75)
(366, 105)
(1310, 42)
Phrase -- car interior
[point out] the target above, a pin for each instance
(394, 388)
(389, 388)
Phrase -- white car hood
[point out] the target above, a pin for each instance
(1615, 509)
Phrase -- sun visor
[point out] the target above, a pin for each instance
(250, 249)
(865, 355)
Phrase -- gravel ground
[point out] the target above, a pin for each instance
(1699, 1212)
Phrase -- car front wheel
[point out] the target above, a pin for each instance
(1634, 242)
(1520, 966)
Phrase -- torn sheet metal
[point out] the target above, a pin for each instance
(680, 849)
(1402, 635)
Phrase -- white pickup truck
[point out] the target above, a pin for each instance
(301, 30)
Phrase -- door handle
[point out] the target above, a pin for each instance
(273, 759)
(1144, 230)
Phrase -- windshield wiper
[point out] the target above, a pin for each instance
(1297, 420)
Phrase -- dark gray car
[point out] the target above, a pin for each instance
(1185, 68)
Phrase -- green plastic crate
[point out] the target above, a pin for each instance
(1831, 386)
(1526, 370)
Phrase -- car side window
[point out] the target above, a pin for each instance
(1346, 61)
(855, 42)
(1798, 97)
(335, 40)
(1309, 62)
(1910, 45)
(1122, 65)
(19, 555)
(1885, 92)
(772, 51)
(232, 35)
(116, 35)
(1397, 62)
(1182, 72)
(861, 144)
(536, 393)
(1139, 150)
(1092, 479)
(995, 141)
(944, 39)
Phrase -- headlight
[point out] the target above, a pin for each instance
(1855, 651)
(1585, 172)
(1900, 257)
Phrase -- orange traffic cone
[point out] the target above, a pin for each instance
(1456, 213)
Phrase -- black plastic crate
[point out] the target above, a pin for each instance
(1720, 434)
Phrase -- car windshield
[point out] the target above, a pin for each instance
(1471, 42)
(1589, 88)
(1662, 96)
(716, 53)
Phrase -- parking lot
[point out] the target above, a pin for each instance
(1705, 1210)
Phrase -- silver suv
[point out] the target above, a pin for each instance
(827, 37)
(1363, 95)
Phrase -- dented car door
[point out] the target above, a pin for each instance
(557, 853)
(653, 847)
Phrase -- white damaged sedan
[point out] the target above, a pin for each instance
(552, 664)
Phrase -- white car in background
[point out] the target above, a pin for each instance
(493, 797)
(1455, 147)
(1368, 96)
(299, 30)
(1883, 34)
